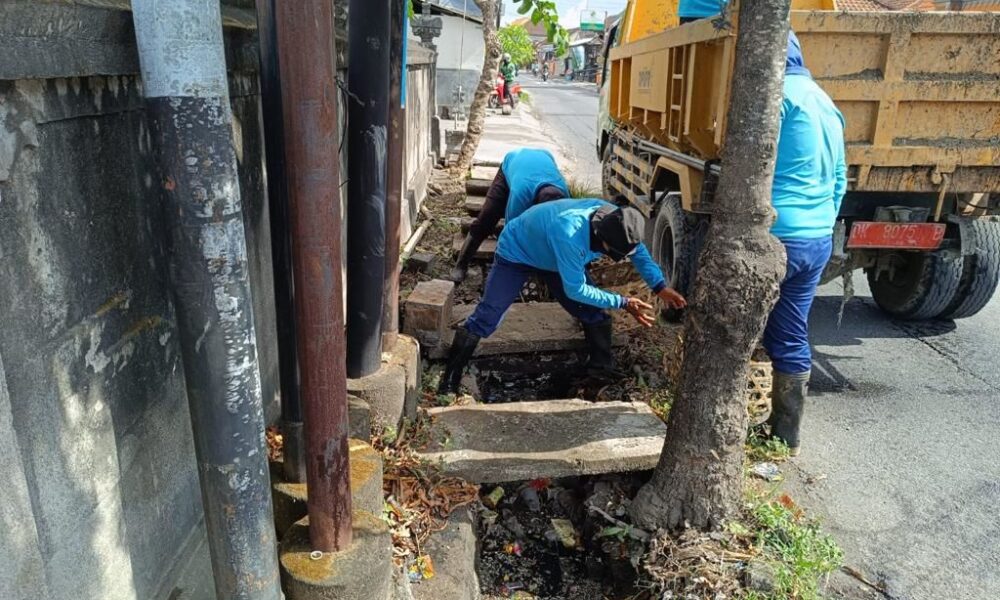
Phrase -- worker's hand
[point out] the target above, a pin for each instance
(637, 308)
(671, 299)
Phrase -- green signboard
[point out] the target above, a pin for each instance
(592, 20)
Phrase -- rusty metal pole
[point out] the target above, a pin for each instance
(308, 94)
(397, 167)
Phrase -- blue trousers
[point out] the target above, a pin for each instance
(786, 336)
(503, 287)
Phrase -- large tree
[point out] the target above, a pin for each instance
(698, 481)
(514, 40)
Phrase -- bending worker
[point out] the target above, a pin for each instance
(557, 240)
(810, 178)
(527, 176)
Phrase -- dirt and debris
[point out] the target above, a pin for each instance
(543, 542)
(418, 499)
(275, 444)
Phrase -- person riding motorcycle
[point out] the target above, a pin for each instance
(507, 70)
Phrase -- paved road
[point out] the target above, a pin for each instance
(568, 112)
(901, 450)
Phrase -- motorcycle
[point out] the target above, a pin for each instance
(497, 99)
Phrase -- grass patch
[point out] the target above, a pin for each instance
(762, 448)
(582, 189)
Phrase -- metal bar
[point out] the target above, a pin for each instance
(396, 165)
(368, 78)
(187, 102)
(308, 94)
(281, 244)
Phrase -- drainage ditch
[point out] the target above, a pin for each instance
(526, 377)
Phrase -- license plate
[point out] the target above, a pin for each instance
(907, 236)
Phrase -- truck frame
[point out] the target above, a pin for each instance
(920, 94)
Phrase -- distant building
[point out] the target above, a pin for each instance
(460, 53)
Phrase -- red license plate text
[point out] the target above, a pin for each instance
(907, 236)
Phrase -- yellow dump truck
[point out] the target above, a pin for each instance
(920, 94)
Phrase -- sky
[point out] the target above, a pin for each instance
(569, 10)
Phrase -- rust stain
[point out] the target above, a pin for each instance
(111, 303)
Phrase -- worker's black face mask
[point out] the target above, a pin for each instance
(617, 255)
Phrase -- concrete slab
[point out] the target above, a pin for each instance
(494, 443)
(485, 252)
(485, 172)
(527, 327)
(427, 311)
(466, 222)
(454, 553)
(477, 187)
(474, 204)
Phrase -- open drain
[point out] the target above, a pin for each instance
(516, 378)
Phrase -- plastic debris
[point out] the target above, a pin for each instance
(508, 589)
(529, 496)
(566, 532)
(421, 569)
(493, 498)
(513, 548)
(767, 471)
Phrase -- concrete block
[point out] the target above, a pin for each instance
(427, 311)
(406, 354)
(474, 204)
(484, 172)
(527, 327)
(384, 391)
(289, 499)
(359, 417)
(477, 187)
(362, 572)
(494, 443)
(486, 249)
(454, 551)
(420, 262)
(453, 139)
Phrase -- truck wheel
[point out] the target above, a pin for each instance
(922, 285)
(676, 241)
(980, 272)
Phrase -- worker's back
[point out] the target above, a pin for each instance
(527, 170)
(810, 174)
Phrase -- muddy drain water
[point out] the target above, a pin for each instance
(516, 378)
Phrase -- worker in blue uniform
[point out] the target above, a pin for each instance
(692, 10)
(557, 240)
(527, 176)
(810, 178)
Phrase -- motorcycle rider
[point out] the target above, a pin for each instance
(507, 70)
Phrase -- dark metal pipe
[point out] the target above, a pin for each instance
(308, 66)
(187, 104)
(397, 164)
(368, 78)
(281, 243)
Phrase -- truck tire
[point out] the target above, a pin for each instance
(676, 241)
(922, 286)
(980, 272)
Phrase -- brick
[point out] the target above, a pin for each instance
(420, 262)
(427, 311)
(474, 204)
(477, 187)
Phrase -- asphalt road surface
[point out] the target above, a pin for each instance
(901, 435)
(568, 111)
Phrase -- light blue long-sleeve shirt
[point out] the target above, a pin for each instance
(527, 170)
(810, 174)
(555, 236)
(700, 9)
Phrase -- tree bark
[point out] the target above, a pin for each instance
(487, 81)
(699, 479)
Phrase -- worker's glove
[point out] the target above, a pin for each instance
(637, 308)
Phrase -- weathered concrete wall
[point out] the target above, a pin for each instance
(448, 81)
(100, 495)
(460, 61)
(421, 107)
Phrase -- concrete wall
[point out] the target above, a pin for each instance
(99, 496)
(460, 61)
(421, 107)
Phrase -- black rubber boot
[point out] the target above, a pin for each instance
(459, 356)
(601, 364)
(788, 398)
(465, 255)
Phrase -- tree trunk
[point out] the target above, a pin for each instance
(698, 481)
(487, 81)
